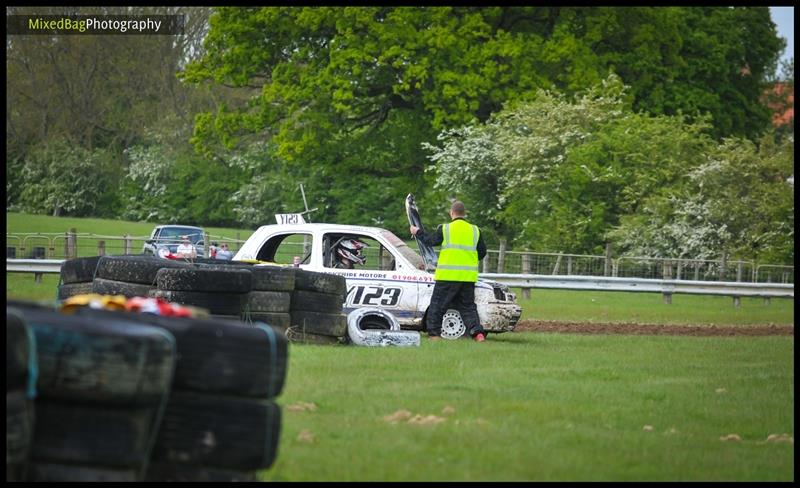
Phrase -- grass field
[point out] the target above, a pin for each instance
(27, 224)
(544, 407)
(541, 407)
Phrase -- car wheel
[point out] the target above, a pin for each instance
(453, 325)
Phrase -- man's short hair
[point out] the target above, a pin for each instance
(458, 208)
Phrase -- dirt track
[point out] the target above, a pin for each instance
(654, 329)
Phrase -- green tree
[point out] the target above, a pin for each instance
(66, 179)
(348, 94)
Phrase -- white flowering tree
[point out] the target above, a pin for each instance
(557, 173)
(739, 202)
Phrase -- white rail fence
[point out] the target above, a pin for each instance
(563, 282)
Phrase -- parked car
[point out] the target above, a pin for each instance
(392, 278)
(168, 237)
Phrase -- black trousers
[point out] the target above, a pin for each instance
(459, 295)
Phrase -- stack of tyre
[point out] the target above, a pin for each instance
(20, 382)
(220, 290)
(306, 305)
(269, 300)
(131, 397)
(317, 314)
(77, 276)
(101, 391)
(128, 275)
(221, 422)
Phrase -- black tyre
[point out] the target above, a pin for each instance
(134, 269)
(313, 301)
(92, 435)
(268, 301)
(79, 270)
(320, 282)
(19, 427)
(296, 336)
(224, 432)
(72, 289)
(215, 303)
(219, 262)
(65, 472)
(205, 280)
(187, 472)
(278, 321)
(112, 287)
(234, 318)
(274, 278)
(221, 356)
(109, 360)
(20, 351)
(328, 324)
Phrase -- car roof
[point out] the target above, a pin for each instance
(179, 226)
(321, 227)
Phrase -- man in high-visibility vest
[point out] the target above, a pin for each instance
(456, 273)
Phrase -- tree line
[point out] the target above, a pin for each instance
(562, 128)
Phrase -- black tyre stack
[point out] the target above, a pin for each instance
(132, 397)
(101, 391)
(20, 381)
(132, 275)
(77, 276)
(317, 308)
(221, 290)
(221, 422)
(270, 299)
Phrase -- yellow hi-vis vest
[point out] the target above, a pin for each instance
(458, 259)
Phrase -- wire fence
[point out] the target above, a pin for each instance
(68, 245)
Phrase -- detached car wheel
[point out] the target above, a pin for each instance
(453, 325)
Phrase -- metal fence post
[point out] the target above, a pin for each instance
(207, 245)
(737, 302)
(739, 272)
(526, 269)
(607, 268)
(723, 267)
(501, 256)
(72, 244)
(667, 275)
(126, 244)
(101, 248)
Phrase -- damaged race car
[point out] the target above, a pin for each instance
(383, 273)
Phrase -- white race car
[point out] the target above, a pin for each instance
(382, 272)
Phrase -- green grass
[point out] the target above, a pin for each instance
(608, 306)
(27, 224)
(542, 407)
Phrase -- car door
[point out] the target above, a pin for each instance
(376, 283)
(427, 252)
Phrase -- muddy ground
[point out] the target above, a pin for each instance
(654, 329)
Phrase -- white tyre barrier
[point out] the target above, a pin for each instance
(379, 338)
